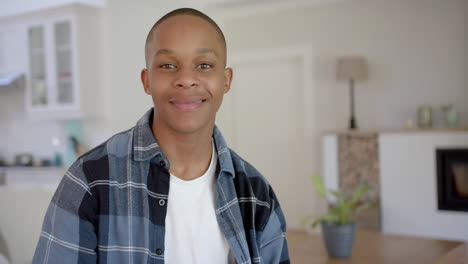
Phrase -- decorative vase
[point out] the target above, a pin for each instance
(425, 116)
(338, 239)
(450, 115)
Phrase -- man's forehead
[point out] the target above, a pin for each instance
(178, 32)
(186, 26)
(186, 23)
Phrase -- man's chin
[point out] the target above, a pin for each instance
(191, 127)
(184, 124)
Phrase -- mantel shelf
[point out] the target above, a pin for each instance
(398, 130)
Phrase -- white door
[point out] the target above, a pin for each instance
(264, 120)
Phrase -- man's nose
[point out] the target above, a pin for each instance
(186, 78)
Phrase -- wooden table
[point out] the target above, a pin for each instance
(373, 247)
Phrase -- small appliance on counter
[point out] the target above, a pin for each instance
(24, 159)
(46, 162)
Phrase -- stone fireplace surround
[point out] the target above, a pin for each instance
(401, 167)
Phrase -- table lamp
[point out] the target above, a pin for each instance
(351, 68)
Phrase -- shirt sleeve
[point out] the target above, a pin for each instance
(273, 243)
(69, 229)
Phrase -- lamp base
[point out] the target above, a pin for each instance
(352, 123)
(352, 120)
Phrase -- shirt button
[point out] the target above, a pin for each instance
(162, 163)
(162, 202)
(158, 251)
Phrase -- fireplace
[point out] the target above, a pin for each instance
(452, 179)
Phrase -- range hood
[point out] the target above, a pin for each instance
(15, 79)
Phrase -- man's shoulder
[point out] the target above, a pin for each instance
(118, 145)
(247, 176)
(242, 166)
(252, 188)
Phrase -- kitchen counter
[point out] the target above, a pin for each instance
(31, 175)
(30, 168)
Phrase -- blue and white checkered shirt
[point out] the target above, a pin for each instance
(111, 206)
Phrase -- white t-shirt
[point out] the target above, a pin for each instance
(193, 234)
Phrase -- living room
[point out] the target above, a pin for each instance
(285, 102)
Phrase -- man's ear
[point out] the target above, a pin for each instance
(145, 80)
(228, 74)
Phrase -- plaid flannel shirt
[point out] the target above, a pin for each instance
(110, 206)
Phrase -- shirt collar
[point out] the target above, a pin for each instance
(145, 146)
(224, 154)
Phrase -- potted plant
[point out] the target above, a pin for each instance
(338, 224)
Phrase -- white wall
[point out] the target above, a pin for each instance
(409, 185)
(330, 164)
(416, 51)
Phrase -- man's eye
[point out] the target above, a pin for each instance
(167, 66)
(205, 66)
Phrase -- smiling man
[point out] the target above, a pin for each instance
(168, 190)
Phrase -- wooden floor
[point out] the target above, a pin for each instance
(372, 247)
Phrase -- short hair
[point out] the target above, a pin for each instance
(183, 11)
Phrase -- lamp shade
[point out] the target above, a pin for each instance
(351, 68)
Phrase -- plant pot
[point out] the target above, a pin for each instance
(338, 239)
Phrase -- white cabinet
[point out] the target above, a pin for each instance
(2, 51)
(63, 80)
(13, 48)
(52, 75)
(53, 85)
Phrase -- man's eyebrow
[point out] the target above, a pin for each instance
(163, 51)
(206, 50)
(199, 51)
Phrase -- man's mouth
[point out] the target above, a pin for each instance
(187, 104)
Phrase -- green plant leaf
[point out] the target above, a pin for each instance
(345, 216)
(306, 220)
(338, 195)
(316, 222)
(339, 212)
(362, 207)
(326, 218)
(343, 211)
(359, 192)
(319, 186)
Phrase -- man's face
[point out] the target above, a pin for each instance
(186, 75)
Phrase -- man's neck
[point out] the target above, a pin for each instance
(189, 153)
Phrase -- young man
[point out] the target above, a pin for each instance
(168, 190)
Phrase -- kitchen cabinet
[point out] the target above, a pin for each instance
(52, 66)
(63, 61)
(13, 48)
